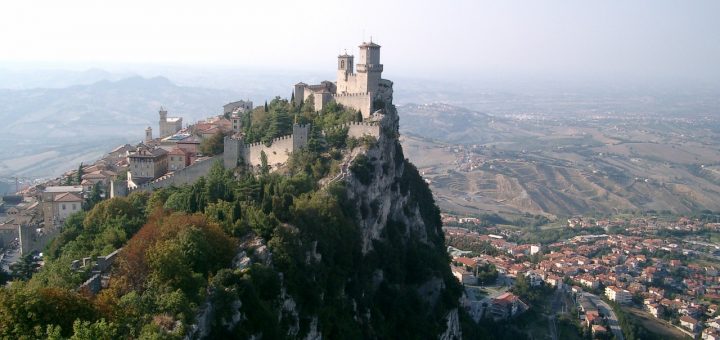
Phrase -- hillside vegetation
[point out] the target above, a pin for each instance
(243, 255)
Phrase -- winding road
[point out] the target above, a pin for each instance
(609, 313)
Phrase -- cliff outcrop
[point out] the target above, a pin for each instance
(363, 258)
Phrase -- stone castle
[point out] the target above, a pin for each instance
(150, 164)
(168, 125)
(365, 90)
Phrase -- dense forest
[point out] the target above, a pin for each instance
(183, 251)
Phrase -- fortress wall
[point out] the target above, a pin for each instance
(186, 175)
(276, 153)
(31, 241)
(362, 102)
(357, 130)
(321, 99)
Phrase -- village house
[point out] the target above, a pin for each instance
(618, 295)
(67, 204)
(506, 305)
(463, 275)
(58, 202)
(146, 164)
(690, 323)
(178, 159)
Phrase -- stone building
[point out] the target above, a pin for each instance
(179, 159)
(57, 202)
(360, 86)
(168, 125)
(67, 204)
(146, 164)
(148, 135)
(237, 107)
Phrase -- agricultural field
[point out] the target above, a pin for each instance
(562, 167)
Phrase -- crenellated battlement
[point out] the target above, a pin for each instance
(359, 124)
(351, 94)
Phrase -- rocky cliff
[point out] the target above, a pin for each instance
(365, 258)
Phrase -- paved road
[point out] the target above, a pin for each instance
(609, 313)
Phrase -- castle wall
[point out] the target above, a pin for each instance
(360, 129)
(187, 175)
(278, 152)
(31, 241)
(362, 102)
(321, 99)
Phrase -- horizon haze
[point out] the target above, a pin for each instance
(644, 42)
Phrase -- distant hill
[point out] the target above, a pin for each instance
(562, 166)
(54, 78)
(45, 128)
(453, 124)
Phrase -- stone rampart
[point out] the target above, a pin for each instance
(360, 129)
(186, 175)
(277, 153)
(357, 101)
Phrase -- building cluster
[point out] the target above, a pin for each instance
(468, 157)
(672, 278)
(177, 147)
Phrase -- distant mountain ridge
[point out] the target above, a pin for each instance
(98, 116)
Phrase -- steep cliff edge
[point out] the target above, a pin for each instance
(362, 258)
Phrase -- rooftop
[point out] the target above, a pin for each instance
(64, 188)
(67, 197)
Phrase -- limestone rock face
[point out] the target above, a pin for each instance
(395, 194)
(381, 196)
(400, 257)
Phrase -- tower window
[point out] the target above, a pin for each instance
(342, 64)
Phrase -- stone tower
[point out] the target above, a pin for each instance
(148, 135)
(163, 115)
(345, 77)
(300, 136)
(236, 120)
(369, 69)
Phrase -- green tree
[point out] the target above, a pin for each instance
(79, 174)
(24, 268)
(487, 273)
(213, 145)
(4, 276)
(264, 167)
(98, 330)
(95, 196)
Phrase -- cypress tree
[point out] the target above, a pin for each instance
(79, 173)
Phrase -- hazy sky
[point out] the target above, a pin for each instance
(633, 39)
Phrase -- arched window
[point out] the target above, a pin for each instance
(342, 64)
